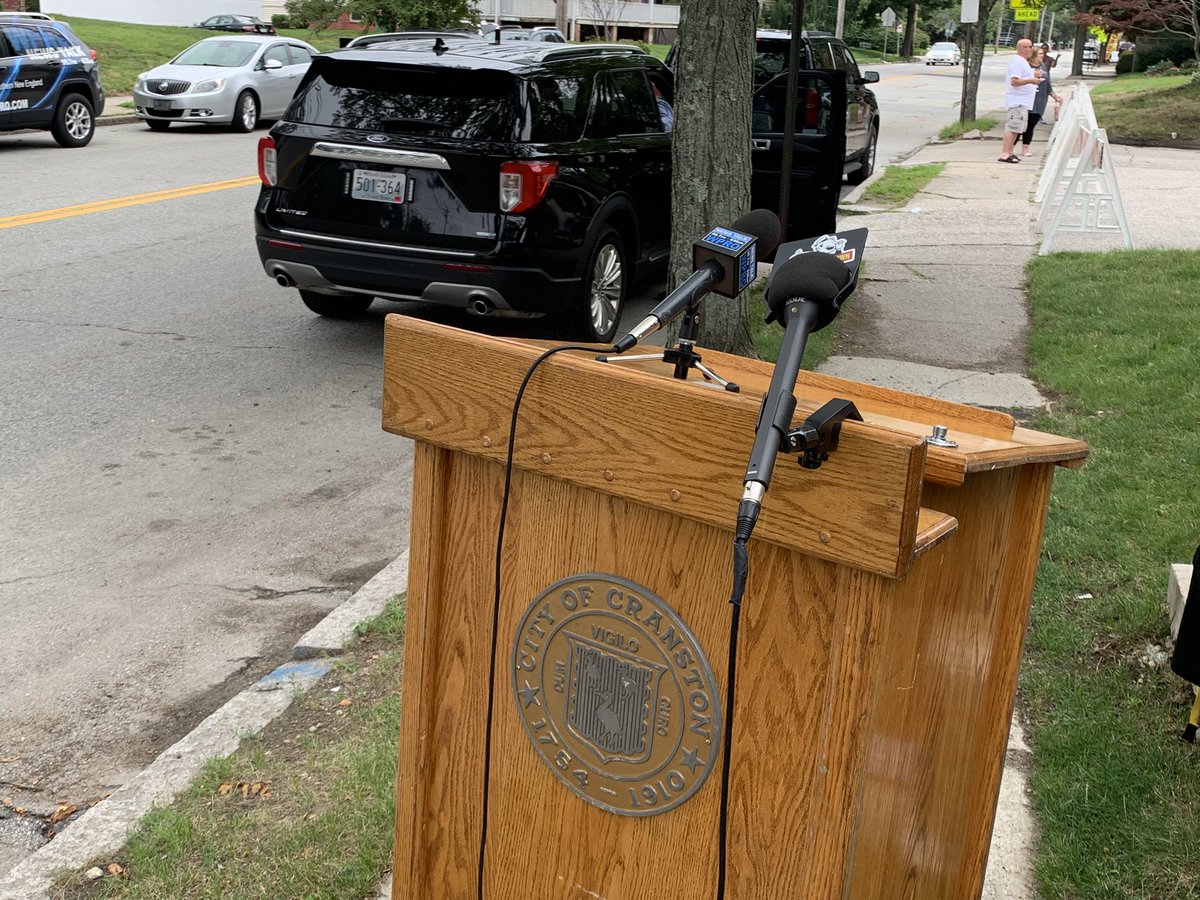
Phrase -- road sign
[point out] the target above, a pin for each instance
(970, 11)
(888, 18)
(1025, 4)
(949, 29)
(1026, 15)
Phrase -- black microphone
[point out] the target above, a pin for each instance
(805, 294)
(725, 262)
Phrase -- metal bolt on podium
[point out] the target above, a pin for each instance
(939, 439)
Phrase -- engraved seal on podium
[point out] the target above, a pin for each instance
(616, 694)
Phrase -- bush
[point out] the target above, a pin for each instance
(1125, 63)
(636, 43)
(279, 20)
(1165, 67)
(1151, 52)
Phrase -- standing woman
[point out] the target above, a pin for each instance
(1038, 59)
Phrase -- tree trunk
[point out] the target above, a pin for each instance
(910, 30)
(1081, 36)
(711, 149)
(979, 40)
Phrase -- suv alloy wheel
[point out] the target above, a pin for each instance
(74, 123)
(603, 294)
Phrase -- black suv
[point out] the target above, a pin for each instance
(514, 177)
(49, 79)
(831, 91)
(822, 51)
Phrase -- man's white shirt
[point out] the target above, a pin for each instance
(1018, 67)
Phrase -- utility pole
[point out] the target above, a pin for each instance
(841, 18)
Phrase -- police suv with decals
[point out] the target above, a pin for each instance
(49, 80)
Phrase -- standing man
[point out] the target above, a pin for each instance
(1020, 89)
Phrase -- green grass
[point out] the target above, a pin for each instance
(1116, 337)
(957, 129)
(1138, 84)
(125, 50)
(324, 828)
(1149, 108)
(899, 184)
(768, 338)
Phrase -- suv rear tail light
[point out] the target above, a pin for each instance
(524, 184)
(266, 161)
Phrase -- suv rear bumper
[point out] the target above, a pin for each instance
(456, 282)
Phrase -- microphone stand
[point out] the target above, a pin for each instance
(683, 355)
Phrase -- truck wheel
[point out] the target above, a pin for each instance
(863, 172)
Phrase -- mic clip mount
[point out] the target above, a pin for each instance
(817, 435)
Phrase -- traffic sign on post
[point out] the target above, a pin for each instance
(970, 11)
(888, 18)
(1026, 15)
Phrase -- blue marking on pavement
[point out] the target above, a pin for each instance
(307, 669)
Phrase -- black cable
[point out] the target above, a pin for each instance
(508, 466)
(730, 684)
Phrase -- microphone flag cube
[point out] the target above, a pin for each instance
(734, 252)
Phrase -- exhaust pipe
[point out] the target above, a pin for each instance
(283, 279)
(482, 305)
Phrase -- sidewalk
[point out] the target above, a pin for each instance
(116, 114)
(940, 311)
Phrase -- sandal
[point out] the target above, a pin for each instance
(1010, 159)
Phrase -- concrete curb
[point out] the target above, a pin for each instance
(336, 630)
(106, 826)
(117, 120)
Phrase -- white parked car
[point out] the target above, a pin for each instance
(943, 52)
(230, 80)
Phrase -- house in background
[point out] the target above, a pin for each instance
(653, 22)
(151, 12)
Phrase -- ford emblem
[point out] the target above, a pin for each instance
(377, 138)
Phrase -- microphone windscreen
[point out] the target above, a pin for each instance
(764, 225)
(818, 278)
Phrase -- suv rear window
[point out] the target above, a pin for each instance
(447, 103)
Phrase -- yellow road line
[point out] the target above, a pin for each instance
(83, 209)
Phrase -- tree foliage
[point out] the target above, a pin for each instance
(1146, 17)
(384, 15)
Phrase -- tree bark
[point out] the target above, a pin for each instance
(910, 30)
(1081, 36)
(979, 40)
(710, 153)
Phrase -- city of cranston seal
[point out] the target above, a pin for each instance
(616, 694)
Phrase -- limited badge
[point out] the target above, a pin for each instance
(616, 694)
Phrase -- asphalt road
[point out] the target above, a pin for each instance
(916, 101)
(192, 470)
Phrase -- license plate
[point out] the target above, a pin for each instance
(379, 186)
(160, 104)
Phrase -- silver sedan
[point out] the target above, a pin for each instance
(233, 80)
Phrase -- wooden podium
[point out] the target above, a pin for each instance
(570, 743)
